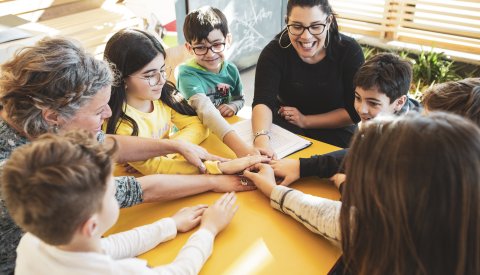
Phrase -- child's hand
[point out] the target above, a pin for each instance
(219, 215)
(262, 144)
(338, 179)
(240, 164)
(189, 217)
(288, 169)
(227, 110)
(264, 178)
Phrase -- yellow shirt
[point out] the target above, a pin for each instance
(158, 124)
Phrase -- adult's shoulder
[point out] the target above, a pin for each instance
(347, 48)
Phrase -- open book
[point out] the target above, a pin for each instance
(283, 141)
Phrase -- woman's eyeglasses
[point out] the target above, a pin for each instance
(215, 48)
(315, 29)
(156, 77)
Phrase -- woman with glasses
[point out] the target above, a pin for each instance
(145, 104)
(304, 78)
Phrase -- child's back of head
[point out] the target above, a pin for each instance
(200, 22)
(411, 203)
(387, 73)
(459, 97)
(52, 185)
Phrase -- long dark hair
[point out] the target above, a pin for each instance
(411, 203)
(334, 34)
(129, 50)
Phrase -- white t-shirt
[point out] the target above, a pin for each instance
(36, 257)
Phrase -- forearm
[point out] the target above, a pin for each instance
(158, 188)
(261, 118)
(139, 240)
(334, 119)
(192, 256)
(178, 166)
(320, 215)
(238, 146)
(131, 148)
(209, 115)
(323, 166)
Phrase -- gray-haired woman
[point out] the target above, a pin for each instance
(57, 86)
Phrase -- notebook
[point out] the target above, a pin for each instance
(283, 142)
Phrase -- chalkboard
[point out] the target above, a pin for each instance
(253, 23)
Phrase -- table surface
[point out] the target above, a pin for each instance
(259, 240)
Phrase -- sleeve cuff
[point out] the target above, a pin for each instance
(278, 195)
(167, 227)
(212, 167)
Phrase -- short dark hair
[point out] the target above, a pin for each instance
(200, 22)
(54, 184)
(386, 72)
(411, 201)
(460, 97)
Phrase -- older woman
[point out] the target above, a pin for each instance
(56, 86)
(304, 78)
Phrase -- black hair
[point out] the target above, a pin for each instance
(200, 22)
(129, 50)
(386, 72)
(334, 34)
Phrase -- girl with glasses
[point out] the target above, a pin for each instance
(145, 104)
(304, 77)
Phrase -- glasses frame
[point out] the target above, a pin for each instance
(163, 74)
(209, 48)
(308, 28)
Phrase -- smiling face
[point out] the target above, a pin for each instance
(90, 116)
(309, 47)
(211, 61)
(371, 103)
(139, 90)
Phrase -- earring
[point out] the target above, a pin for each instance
(280, 40)
(327, 40)
(55, 128)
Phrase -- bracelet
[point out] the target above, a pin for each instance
(261, 133)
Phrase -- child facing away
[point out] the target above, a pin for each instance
(211, 84)
(60, 190)
(145, 104)
(411, 201)
(381, 88)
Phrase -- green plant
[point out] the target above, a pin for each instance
(433, 67)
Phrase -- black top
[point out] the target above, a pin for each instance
(323, 166)
(282, 78)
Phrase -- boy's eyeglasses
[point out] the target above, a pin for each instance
(156, 77)
(315, 29)
(215, 48)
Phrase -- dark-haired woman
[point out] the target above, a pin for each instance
(304, 78)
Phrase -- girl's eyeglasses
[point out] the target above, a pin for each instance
(156, 77)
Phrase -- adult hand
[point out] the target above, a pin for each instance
(219, 215)
(262, 144)
(288, 169)
(238, 165)
(195, 154)
(189, 217)
(263, 178)
(338, 179)
(227, 110)
(227, 183)
(293, 115)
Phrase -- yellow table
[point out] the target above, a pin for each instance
(260, 240)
